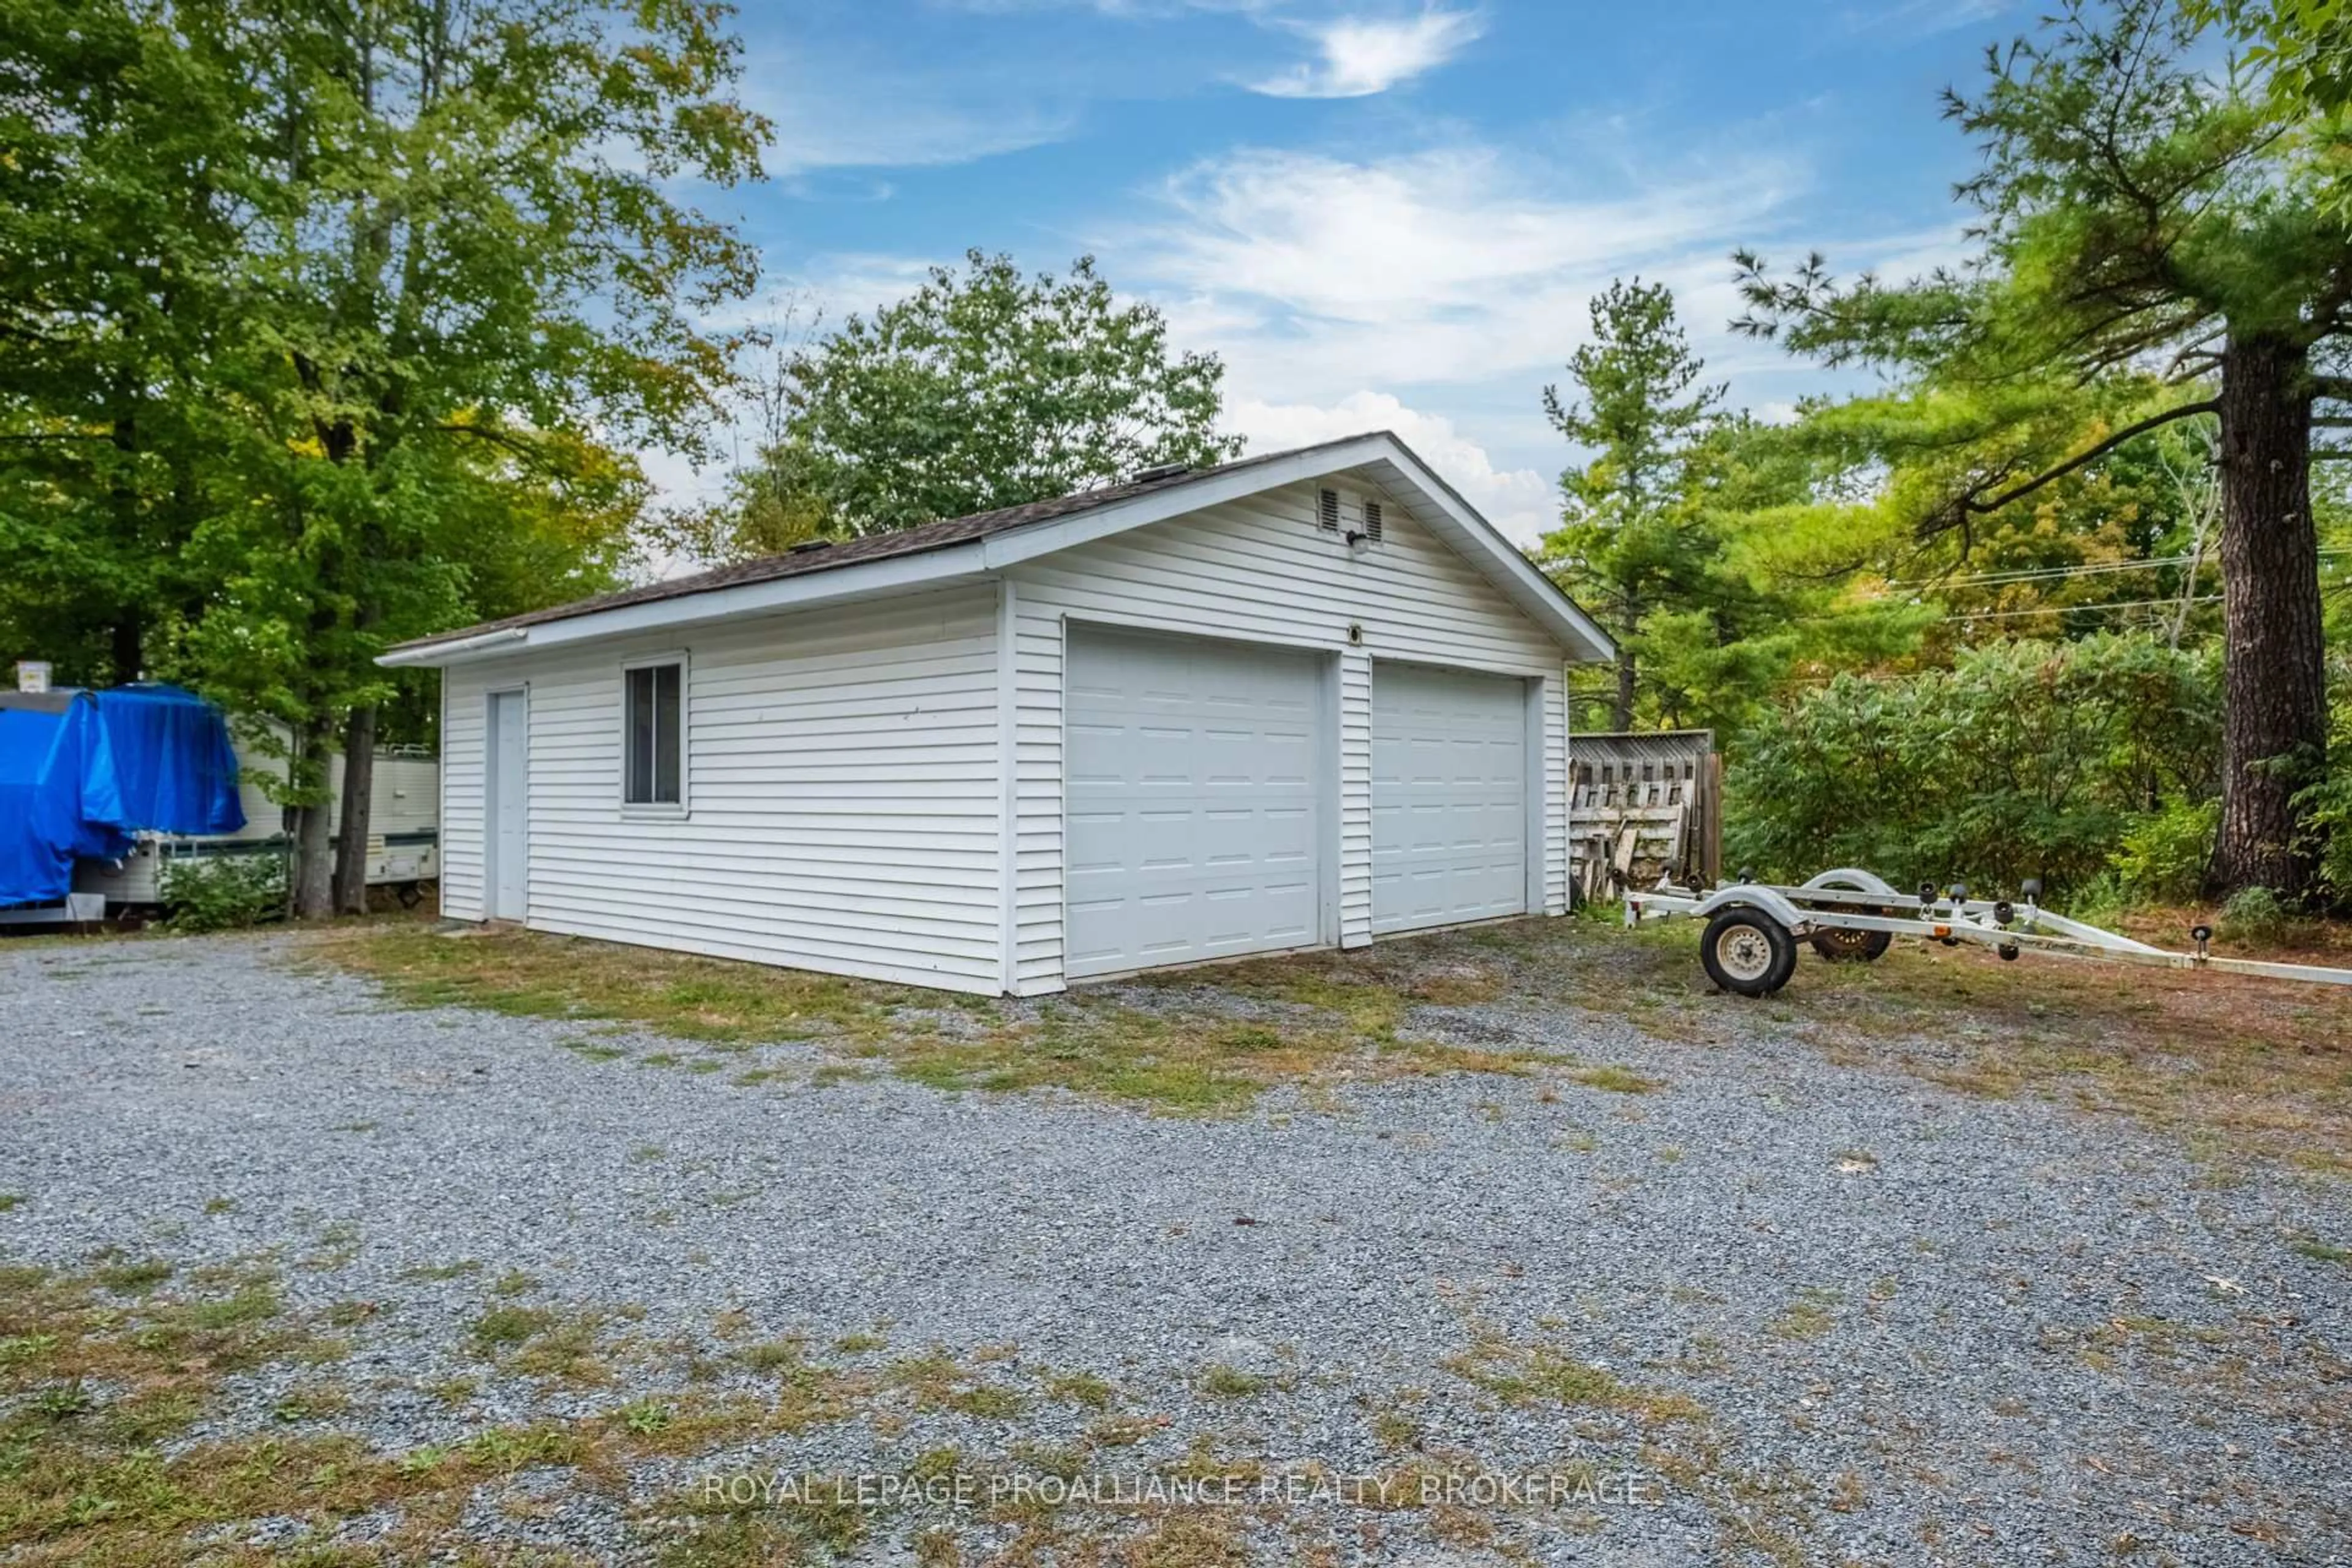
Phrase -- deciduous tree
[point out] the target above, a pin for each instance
(983, 389)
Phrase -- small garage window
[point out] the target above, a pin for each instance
(653, 729)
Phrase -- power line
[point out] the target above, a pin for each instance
(2069, 609)
(2089, 569)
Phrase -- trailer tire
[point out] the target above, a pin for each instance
(410, 895)
(1747, 952)
(1853, 946)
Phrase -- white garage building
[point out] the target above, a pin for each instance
(1299, 701)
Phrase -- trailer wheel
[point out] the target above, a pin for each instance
(1748, 952)
(410, 895)
(1853, 946)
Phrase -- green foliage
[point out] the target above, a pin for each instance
(1633, 543)
(2023, 760)
(2304, 47)
(984, 389)
(2164, 855)
(2149, 227)
(222, 892)
(317, 321)
(2256, 915)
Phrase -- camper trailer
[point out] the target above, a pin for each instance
(101, 792)
(403, 822)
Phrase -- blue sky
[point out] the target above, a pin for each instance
(1381, 213)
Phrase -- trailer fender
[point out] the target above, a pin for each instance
(1771, 903)
(1853, 879)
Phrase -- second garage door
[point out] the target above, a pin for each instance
(1195, 828)
(1449, 797)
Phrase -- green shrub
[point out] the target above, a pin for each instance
(223, 892)
(2165, 854)
(2256, 915)
(2025, 759)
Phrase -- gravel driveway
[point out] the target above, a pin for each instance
(1777, 1310)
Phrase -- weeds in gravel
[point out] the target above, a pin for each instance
(1810, 1316)
(1525, 1374)
(1335, 1020)
(2236, 1066)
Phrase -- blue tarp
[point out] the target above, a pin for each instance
(59, 798)
(81, 772)
(173, 759)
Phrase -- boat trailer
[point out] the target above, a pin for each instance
(1847, 915)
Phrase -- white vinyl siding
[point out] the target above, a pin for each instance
(1263, 569)
(860, 775)
(465, 717)
(842, 768)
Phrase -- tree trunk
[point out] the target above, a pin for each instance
(313, 874)
(352, 840)
(1621, 716)
(2274, 672)
(127, 646)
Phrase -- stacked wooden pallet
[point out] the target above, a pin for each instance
(1643, 808)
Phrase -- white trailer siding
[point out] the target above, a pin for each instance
(1260, 569)
(842, 809)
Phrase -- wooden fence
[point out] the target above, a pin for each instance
(1643, 806)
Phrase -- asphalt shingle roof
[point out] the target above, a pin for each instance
(870, 547)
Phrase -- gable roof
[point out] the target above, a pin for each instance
(990, 540)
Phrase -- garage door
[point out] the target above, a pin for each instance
(1192, 811)
(1449, 797)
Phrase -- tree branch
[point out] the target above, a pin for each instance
(1969, 505)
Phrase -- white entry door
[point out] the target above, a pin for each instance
(1194, 812)
(505, 826)
(1449, 797)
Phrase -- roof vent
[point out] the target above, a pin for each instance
(1373, 521)
(1158, 471)
(1326, 511)
(806, 545)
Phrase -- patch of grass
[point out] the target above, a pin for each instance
(11, 1201)
(859, 1342)
(1614, 1079)
(2236, 1066)
(1188, 1057)
(220, 1206)
(1082, 1389)
(531, 974)
(311, 1404)
(1539, 1374)
(1810, 1316)
(1222, 1382)
(503, 1328)
(772, 1355)
(936, 1381)
(134, 1278)
(451, 1270)
(2325, 1252)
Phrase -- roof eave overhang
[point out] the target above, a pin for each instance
(1454, 520)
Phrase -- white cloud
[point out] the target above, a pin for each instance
(1519, 502)
(1365, 55)
(1919, 18)
(848, 113)
(1315, 275)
